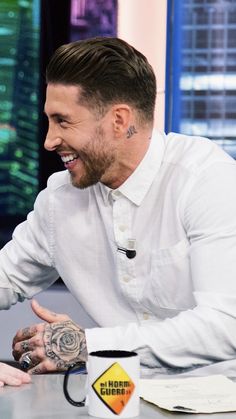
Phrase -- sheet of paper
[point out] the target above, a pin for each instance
(211, 394)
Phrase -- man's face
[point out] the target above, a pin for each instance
(83, 141)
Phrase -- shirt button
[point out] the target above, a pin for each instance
(145, 316)
(122, 227)
(115, 194)
(126, 278)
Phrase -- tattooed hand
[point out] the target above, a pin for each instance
(51, 346)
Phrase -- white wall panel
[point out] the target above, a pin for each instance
(142, 23)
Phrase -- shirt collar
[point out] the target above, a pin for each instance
(105, 191)
(138, 183)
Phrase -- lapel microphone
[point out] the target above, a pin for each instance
(130, 250)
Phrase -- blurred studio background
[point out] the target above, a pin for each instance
(190, 43)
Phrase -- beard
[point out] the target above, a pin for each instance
(97, 158)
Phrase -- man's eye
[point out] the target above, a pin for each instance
(60, 120)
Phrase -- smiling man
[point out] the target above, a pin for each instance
(140, 225)
(92, 157)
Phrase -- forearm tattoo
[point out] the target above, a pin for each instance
(65, 344)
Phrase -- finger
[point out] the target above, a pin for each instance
(27, 333)
(26, 379)
(45, 366)
(19, 345)
(18, 350)
(13, 376)
(34, 358)
(23, 347)
(21, 375)
(38, 369)
(12, 381)
(47, 315)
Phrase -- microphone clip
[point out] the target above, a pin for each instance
(130, 250)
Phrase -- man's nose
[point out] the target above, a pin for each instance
(52, 141)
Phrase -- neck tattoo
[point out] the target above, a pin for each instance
(131, 131)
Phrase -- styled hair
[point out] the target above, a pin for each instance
(108, 71)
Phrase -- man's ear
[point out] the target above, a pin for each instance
(122, 118)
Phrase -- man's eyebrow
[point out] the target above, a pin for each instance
(57, 115)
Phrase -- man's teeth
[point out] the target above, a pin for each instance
(69, 158)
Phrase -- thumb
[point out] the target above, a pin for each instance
(47, 315)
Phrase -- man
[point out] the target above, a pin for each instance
(141, 225)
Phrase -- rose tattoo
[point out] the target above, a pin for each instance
(65, 343)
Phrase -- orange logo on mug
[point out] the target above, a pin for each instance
(114, 387)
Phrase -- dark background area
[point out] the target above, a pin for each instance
(55, 31)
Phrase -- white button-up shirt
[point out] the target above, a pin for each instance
(175, 302)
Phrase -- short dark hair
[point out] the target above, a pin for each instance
(108, 71)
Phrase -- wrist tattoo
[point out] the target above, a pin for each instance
(65, 344)
(131, 131)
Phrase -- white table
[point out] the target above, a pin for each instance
(44, 399)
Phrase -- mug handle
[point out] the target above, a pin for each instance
(81, 369)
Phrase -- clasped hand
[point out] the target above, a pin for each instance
(50, 346)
